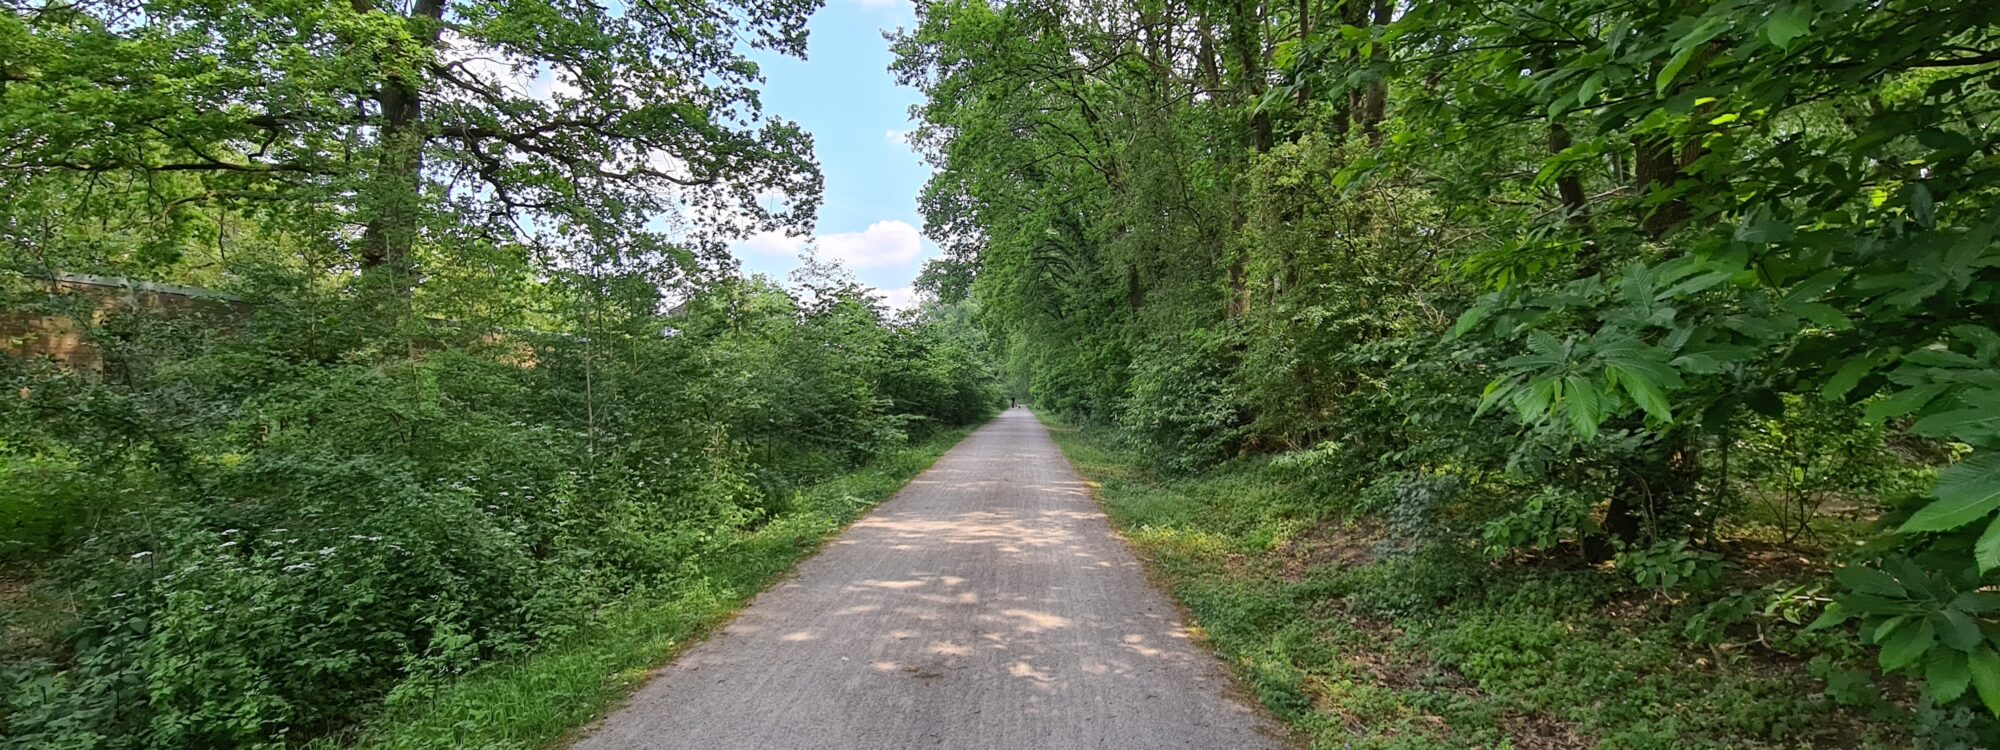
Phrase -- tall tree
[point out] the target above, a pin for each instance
(563, 124)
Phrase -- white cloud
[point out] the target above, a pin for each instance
(898, 299)
(880, 3)
(488, 66)
(550, 82)
(772, 243)
(883, 243)
(897, 137)
(504, 72)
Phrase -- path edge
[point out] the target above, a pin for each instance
(1270, 725)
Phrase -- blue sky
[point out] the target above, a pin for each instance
(845, 96)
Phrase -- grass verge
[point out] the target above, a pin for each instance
(536, 700)
(1358, 646)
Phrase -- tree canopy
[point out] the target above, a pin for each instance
(571, 128)
(1548, 246)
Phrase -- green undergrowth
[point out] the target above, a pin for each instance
(536, 700)
(1356, 645)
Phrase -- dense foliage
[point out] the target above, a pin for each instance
(470, 367)
(1358, 645)
(1558, 279)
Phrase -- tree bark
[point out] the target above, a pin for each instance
(1134, 295)
(1569, 187)
(1375, 100)
(1655, 493)
(1655, 167)
(397, 186)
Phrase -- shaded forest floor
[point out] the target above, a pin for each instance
(1357, 643)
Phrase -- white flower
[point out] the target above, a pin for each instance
(228, 544)
(325, 551)
(296, 567)
(141, 555)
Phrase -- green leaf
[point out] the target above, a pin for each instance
(1645, 392)
(1496, 390)
(1673, 69)
(1588, 91)
(1903, 402)
(1788, 24)
(1941, 358)
(1814, 287)
(1961, 423)
(1943, 140)
(1982, 419)
(1585, 404)
(1946, 674)
(1825, 315)
(1533, 400)
(1922, 208)
(1470, 320)
(1905, 646)
(1702, 363)
(1977, 602)
(1878, 633)
(1965, 493)
(1844, 380)
(1987, 551)
(1984, 340)
(1544, 344)
(1834, 615)
(1696, 284)
(1869, 581)
(1957, 629)
(1985, 667)
(1763, 229)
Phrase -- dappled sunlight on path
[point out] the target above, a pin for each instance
(987, 605)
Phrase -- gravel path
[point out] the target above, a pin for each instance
(987, 605)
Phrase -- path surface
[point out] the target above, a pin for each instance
(987, 605)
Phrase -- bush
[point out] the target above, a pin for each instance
(266, 538)
(1181, 402)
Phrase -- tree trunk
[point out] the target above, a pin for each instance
(397, 186)
(1375, 101)
(1245, 46)
(1659, 162)
(1569, 187)
(1653, 500)
(1134, 295)
(1245, 43)
(1656, 166)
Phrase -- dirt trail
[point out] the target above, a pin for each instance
(987, 605)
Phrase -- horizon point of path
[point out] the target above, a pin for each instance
(988, 604)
